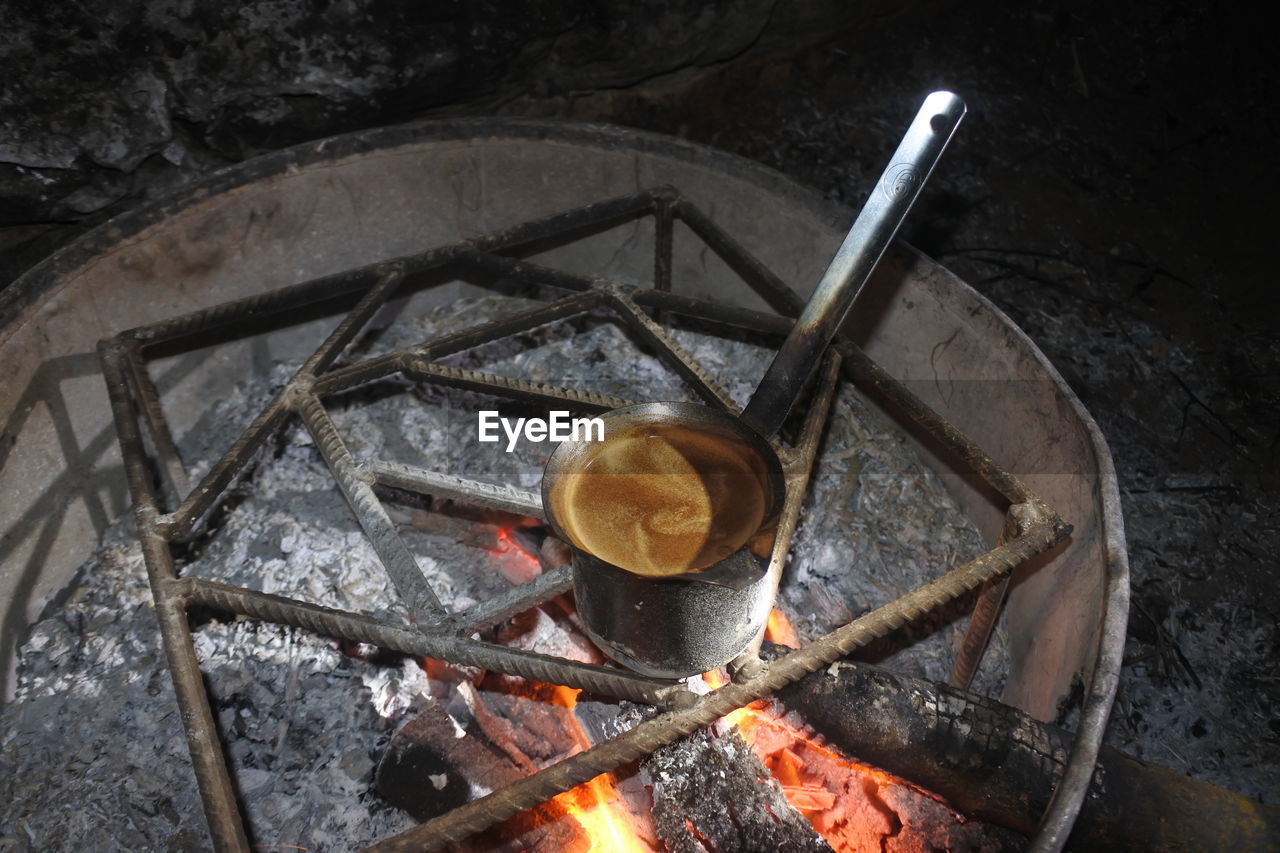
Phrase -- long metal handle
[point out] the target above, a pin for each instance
(870, 235)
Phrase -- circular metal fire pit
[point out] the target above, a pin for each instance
(338, 204)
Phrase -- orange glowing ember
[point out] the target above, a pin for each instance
(605, 817)
(779, 630)
(848, 803)
(842, 798)
(507, 543)
(607, 823)
(839, 796)
(516, 563)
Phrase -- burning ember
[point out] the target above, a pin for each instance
(853, 806)
(780, 632)
(839, 796)
(516, 561)
(607, 820)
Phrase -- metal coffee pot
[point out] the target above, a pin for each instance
(677, 616)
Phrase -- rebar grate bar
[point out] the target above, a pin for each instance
(492, 495)
(439, 644)
(405, 572)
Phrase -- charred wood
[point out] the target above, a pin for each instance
(433, 765)
(994, 763)
(711, 792)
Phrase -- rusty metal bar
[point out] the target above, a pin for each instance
(424, 482)
(668, 349)
(798, 462)
(815, 419)
(521, 321)
(440, 645)
(617, 209)
(180, 525)
(285, 298)
(208, 763)
(350, 325)
(353, 280)
(986, 612)
(518, 599)
(349, 376)
(147, 396)
(717, 313)
(530, 271)
(865, 373)
(404, 570)
(619, 299)
(801, 458)
(213, 777)
(982, 621)
(758, 277)
(203, 496)
(663, 234)
(646, 737)
(417, 367)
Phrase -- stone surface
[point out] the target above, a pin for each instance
(113, 103)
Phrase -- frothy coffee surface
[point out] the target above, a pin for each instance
(661, 499)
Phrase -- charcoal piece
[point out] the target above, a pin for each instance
(530, 726)
(428, 768)
(710, 792)
(433, 766)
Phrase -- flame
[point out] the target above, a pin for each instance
(607, 822)
(779, 630)
(839, 796)
(818, 781)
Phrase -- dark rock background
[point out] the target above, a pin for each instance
(1111, 190)
(111, 102)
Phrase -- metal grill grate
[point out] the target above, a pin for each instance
(174, 512)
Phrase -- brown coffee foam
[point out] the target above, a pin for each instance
(662, 499)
